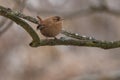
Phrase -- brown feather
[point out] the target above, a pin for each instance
(52, 26)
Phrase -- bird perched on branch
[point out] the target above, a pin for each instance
(50, 27)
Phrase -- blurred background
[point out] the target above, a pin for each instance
(19, 61)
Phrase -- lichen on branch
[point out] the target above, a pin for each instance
(76, 39)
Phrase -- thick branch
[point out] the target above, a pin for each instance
(6, 12)
(87, 43)
(77, 40)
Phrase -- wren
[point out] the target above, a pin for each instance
(50, 27)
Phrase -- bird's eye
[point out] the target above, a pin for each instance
(57, 18)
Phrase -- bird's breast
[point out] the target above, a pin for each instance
(51, 30)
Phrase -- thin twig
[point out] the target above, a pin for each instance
(3, 21)
(6, 28)
(19, 5)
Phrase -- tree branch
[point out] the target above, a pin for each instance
(19, 6)
(76, 36)
(6, 12)
(77, 40)
(85, 43)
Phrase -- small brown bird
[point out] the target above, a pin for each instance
(50, 27)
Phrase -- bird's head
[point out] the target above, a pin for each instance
(57, 18)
